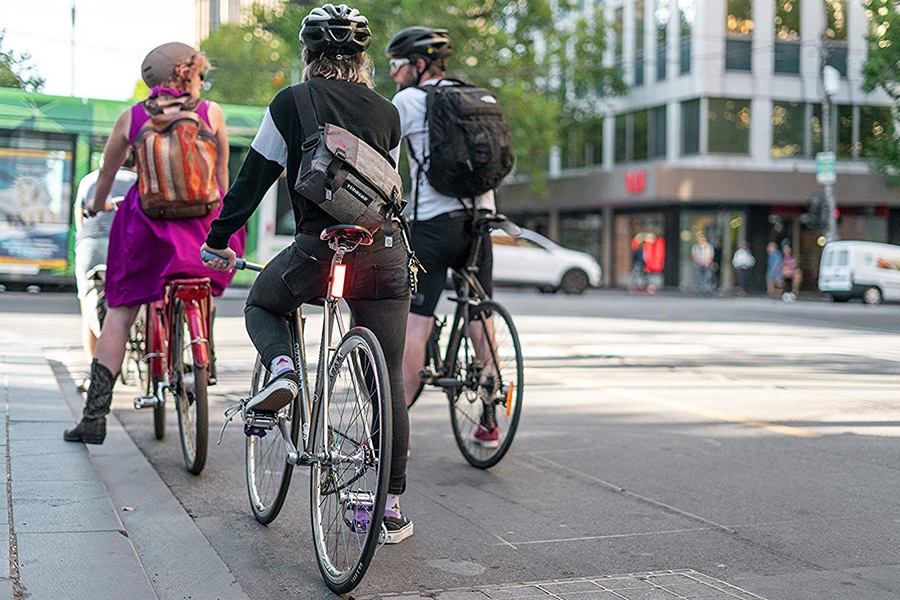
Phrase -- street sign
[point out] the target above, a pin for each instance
(825, 174)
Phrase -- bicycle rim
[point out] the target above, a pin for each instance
(189, 389)
(490, 397)
(268, 472)
(432, 363)
(349, 488)
(136, 345)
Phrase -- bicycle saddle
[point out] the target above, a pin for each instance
(498, 221)
(353, 234)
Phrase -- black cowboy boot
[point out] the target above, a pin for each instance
(92, 428)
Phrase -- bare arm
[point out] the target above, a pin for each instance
(217, 122)
(113, 156)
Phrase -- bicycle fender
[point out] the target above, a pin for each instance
(199, 339)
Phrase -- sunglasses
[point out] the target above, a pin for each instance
(398, 63)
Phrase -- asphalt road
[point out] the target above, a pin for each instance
(742, 438)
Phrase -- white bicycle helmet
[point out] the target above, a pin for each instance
(335, 30)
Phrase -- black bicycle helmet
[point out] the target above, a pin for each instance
(335, 30)
(420, 41)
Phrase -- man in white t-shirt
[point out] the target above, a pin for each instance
(441, 226)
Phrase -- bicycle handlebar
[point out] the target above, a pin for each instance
(241, 264)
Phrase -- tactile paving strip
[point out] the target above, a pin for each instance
(684, 584)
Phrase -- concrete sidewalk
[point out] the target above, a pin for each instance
(89, 522)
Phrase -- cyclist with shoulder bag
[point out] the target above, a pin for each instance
(338, 79)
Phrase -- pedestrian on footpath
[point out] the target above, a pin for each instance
(773, 269)
(702, 255)
(788, 272)
(743, 261)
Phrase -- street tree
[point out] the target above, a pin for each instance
(881, 71)
(545, 65)
(15, 70)
(250, 64)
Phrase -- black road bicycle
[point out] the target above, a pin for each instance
(481, 370)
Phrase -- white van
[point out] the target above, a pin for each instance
(867, 270)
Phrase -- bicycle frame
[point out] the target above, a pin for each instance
(196, 296)
(310, 400)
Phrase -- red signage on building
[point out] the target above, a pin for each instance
(635, 181)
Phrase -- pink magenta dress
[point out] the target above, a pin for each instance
(145, 253)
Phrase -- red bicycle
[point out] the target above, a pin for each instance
(178, 352)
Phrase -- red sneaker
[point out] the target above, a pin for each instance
(487, 439)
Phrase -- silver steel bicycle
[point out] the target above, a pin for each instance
(339, 426)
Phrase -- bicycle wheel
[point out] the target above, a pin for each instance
(348, 489)
(189, 389)
(268, 472)
(151, 357)
(485, 408)
(134, 351)
(432, 363)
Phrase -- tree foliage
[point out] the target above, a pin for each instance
(881, 71)
(15, 72)
(250, 64)
(545, 66)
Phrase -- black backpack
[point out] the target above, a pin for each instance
(469, 144)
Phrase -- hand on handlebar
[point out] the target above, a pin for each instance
(218, 259)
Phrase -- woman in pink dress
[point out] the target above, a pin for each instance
(145, 253)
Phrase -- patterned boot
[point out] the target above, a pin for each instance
(92, 428)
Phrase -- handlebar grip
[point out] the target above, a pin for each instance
(240, 263)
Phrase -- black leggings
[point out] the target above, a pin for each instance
(377, 292)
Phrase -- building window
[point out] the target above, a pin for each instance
(622, 139)
(788, 129)
(738, 39)
(661, 17)
(843, 115)
(632, 136)
(582, 144)
(690, 127)
(787, 36)
(686, 16)
(876, 124)
(729, 126)
(620, 46)
(658, 139)
(640, 135)
(639, 43)
(835, 45)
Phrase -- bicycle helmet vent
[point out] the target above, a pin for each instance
(335, 30)
(423, 41)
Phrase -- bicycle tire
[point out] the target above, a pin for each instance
(432, 364)
(134, 352)
(268, 472)
(354, 424)
(469, 409)
(189, 390)
(151, 329)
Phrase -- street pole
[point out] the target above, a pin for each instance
(830, 81)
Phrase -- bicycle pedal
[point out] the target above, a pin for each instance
(146, 402)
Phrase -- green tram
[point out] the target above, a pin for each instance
(47, 144)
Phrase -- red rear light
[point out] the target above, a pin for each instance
(337, 281)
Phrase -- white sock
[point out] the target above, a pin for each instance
(392, 506)
(281, 364)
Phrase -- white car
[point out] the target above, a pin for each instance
(532, 259)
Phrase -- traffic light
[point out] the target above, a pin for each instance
(816, 216)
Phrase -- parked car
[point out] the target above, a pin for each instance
(531, 259)
(856, 269)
